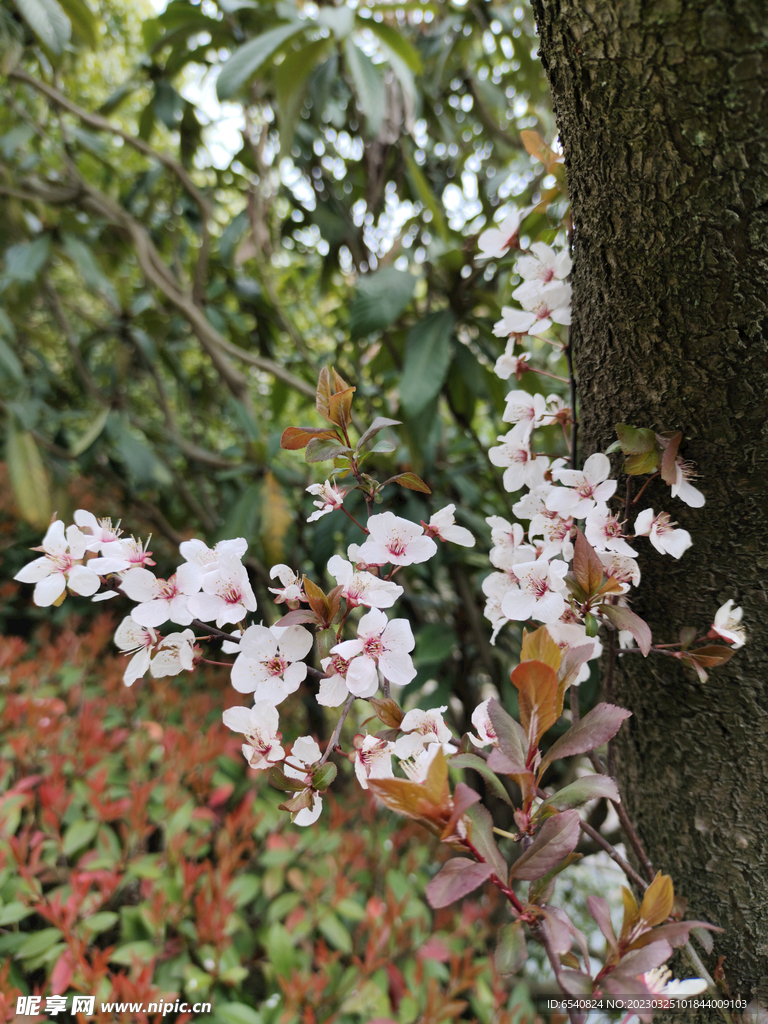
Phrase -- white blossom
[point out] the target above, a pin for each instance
(727, 624)
(304, 753)
(660, 531)
(495, 242)
(373, 759)
(227, 594)
(60, 567)
(260, 725)
(196, 552)
(521, 467)
(333, 689)
(574, 634)
(486, 734)
(175, 653)
(160, 600)
(395, 540)
(359, 587)
(133, 638)
(380, 644)
(443, 525)
(540, 595)
(291, 592)
(583, 488)
(269, 663)
(545, 265)
(331, 498)
(682, 488)
(100, 533)
(422, 728)
(624, 570)
(659, 981)
(508, 364)
(604, 532)
(122, 555)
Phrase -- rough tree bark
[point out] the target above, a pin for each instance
(662, 107)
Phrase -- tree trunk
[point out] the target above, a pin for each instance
(663, 115)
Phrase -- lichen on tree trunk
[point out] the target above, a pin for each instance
(662, 109)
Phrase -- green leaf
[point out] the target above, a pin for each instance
(379, 300)
(86, 263)
(335, 932)
(427, 358)
(484, 841)
(24, 261)
(291, 79)
(369, 86)
(412, 482)
(590, 787)
(479, 765)
(324, 449)
(246, 61)
(101, 922)
(48, 21)
(79, 833)
(9, 362)
(86, 439)
(244, 889)
(84, 24)
(141, 462)
(13, 912)
(28, 477)
(396, 42)
(39, 942)
(511, 952)
(134, 952)
(237, 1013)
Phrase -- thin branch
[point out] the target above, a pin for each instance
(337, 731)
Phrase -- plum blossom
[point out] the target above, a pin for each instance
(482, 722)
(495, 242)
(583, 488)
(569, 635)
(260, 725)
(175, 653)
(505, 537)
(100, 534)
(660, 531)
(508, 364)
(545, 265)
(333, 689)
(331, 497)
(395, 540)
(496, 587)
(227, 593)
(304, 753)
(160, 600)
(525, 411)
(359, 587)
(682, 488)
(122, 555)
(373, 759)
(541, 308)
(604, 532)
(521, 467)
(60, 567)
(727, 624)
(291, 592)
(443, 525)
(196, 552)
(132, 638)
(416, 767)
(540, 594)
(269, 662)
(380, 644)
(422, 728)
(659, 981)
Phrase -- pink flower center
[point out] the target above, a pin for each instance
(585, 489)
(373, 647)
(231, 594)
(662, 524)
(539, 587)
(396, 547)
(62, 563)
(340, 665)
(546, 274)
(276, 666)
(167, 589)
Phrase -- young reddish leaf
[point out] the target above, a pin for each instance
(711, 655)
(429, 800)
(339, 384)
(539, 646)
(500, 763)
(456, 879)
(511, 953)
(541, 890)
(658, 901)
(668, 474)
(318, 602)
(587, 567)
(511, 735)
(412, 482)
(631, 913)
(387, 710)
(471, 760)
(676, 933)
(484, 842)
(297, 617)
(295, 438)
(463, 798)
(325, 389)
(598, 908)
(536, 147)
(590, 787)
(636, 440)
(537, 692)
(638, 961)
(325, 449)
(556, 838)
(300, 802)
(574, 658)
(378, 424)
(340, 406)
(595, 728)
(623, 618)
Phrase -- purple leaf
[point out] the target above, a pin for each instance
(297, 616)
(638, 961)
(591, 787)
(457, 878)
(623, 618)
(463, 798)
(499, 762)
(557, 837)
(511, 952)
(598, 908)
(594, 729)
(576, 983)
(512, 739)
(675, 933)
(484, 842)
